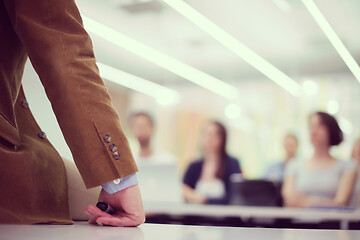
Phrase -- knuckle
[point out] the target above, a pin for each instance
(140, 219)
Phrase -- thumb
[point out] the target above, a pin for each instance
(119, 221)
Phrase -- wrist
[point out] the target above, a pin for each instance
(120, 184)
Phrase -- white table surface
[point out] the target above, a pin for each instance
(82, 230)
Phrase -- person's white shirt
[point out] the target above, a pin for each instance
(157, 156)
(212, 189)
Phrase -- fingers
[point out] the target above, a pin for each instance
(94, 213)
(120, 221)
(128, 206)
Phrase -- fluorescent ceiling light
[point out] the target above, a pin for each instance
(236, 46)
(283, 5)
(333, 38)
(163, 95)
(171, 64)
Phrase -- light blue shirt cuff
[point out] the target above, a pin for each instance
(120, 184)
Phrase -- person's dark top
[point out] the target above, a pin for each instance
(193, 173)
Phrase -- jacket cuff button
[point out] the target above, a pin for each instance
(116, 155)
(25, 104)
(42, 135)
(113, 147)
(107, 138)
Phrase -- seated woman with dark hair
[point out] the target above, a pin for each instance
(322, 180)
(207, 180)
(355, 201)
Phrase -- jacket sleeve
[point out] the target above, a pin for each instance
(61, 53)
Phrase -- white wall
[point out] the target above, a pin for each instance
(42, 111)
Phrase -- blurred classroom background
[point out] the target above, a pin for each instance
(155, 60)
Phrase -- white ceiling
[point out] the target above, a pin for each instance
(292, 41)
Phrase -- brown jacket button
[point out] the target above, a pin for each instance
(116, 155)
(25, 103)
(107, 138)
(113, 147)
(42, 135)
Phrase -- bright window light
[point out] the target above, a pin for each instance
(243, 124)
(232, 111)
(310, 87)
(333, 38)
(236, 46)
(163, 95)
(171, 64)
(332, 107)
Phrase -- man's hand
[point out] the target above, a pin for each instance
(128, 206)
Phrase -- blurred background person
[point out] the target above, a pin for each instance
(142, 127)
(207, 180)
(322, 180)
(275, 172)
(355, 201)
(159, 178)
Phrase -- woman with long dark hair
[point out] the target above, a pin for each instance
(321, 180)
(207, 180)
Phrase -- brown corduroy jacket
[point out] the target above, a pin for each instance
(33, 187)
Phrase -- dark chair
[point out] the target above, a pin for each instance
(255, 193)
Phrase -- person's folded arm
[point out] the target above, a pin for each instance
(191, 196)
(343, 194)
(290, 197)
